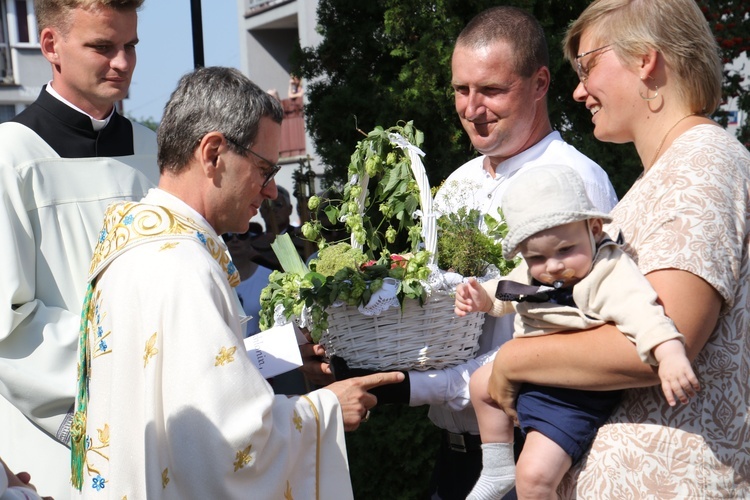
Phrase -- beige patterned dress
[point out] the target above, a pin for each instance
(688, 212)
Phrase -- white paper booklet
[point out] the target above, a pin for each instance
(274, 351)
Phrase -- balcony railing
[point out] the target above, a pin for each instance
(292, 129)
(258, 6)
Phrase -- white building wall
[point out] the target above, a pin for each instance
(28, 69)
(269, 32)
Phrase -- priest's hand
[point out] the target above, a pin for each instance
(398, 393)
(355, 400)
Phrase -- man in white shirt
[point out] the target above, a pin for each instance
(500, 80)
(64, 160)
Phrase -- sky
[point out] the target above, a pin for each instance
(165, 49)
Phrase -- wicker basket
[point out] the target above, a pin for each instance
(412, 337)
(419, 339)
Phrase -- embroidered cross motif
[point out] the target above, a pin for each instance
(242, 458)
(150, 350)
(288, 492)
(168, 246)
(226, 355)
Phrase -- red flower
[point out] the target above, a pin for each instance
(398, 261)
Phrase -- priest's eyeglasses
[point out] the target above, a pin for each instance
(227, 237)
(268, 173)
(583, 72)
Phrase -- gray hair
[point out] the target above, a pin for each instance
(513, 26)
(213, 99)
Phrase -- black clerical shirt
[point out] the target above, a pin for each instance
(70, 132)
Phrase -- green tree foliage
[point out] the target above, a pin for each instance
(391, 456)
(146, 122)
(730, 22)
(389, 60)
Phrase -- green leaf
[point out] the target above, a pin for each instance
(391, 180)
(316, 279)
(288, 256)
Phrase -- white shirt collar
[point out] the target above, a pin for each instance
(96, 123)
(513, 164)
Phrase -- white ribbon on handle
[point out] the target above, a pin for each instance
(429, 219)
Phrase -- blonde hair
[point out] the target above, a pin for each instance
(56, 13)
(676, 29)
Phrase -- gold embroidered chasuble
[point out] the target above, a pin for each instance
(169, 405)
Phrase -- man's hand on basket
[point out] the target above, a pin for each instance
(314, 367)
(395, 393)
(355, 399)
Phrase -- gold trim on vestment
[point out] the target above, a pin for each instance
(317, 447)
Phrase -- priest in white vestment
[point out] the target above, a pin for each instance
(169, 404)
(63, 160)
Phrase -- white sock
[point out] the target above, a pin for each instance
(498, 472)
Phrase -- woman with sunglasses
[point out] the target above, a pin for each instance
(650, 74)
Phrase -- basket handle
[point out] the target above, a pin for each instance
(429, 219)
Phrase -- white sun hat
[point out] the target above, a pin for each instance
(543, 197)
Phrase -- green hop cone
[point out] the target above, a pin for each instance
(372, 166)
(412, 266)
(313, 203)
(309, 231)
(390, 234)
(390, 160)
(360, 235)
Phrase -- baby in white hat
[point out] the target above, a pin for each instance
(573, 277)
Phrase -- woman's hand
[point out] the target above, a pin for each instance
(602, 358)
(503, 391)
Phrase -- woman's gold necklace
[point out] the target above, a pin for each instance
(664, 139)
